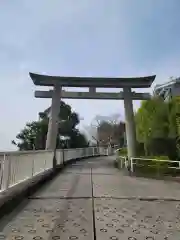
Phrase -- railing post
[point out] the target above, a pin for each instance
(54, 159)
(124, 162)
(121, 159)
(33, 167)
(63, 156)
(131, 162)
(1, 173)
(6, 172)
(45, 164)
(158, 170)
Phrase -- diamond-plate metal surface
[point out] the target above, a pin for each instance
(105, 170)
(51, 219)
(79, 168)
(137, 220)
(67, 185)
(85, 168)
(73, 169)
(125, 186)
(65, 208)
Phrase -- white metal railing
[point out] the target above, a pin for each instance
(19, 166)
(141, 162)
(16, 167)
(136, 162)
(122, 161)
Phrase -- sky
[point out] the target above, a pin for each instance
(117, 38)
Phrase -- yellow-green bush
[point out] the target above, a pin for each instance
(155, 157)
(154, 167)
(122, 151)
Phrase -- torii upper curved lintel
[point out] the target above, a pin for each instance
(101, 82)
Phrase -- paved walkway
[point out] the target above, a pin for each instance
(93, 200)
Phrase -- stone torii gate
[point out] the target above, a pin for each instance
(92, 83)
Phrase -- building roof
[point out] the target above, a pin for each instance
(103, 82)
(167, 84)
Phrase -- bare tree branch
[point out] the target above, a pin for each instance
(104, 129)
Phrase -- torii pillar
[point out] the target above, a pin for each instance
(130, 123)
(53, 119)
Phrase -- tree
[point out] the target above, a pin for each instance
(111, 130)
(174, 111)
(174, 122)
(33, 136)
(77, 139)
(152, 121)
(156, 126)
(107, 130)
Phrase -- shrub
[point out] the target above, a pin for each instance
(154, 167)
(161, 147)
(140, 149)
(122, 151)
(155, 157)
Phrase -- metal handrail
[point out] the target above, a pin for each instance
(132, 162)
(16, 167)
(154, 159)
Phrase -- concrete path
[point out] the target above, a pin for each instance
(93, 200)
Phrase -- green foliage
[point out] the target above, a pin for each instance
(122, 151)
(151, 121)
(174, 119)
(158, 127)
(78, 139)
(162, 147)
(33, 136)
(154, 168)
(161, 157)
(155, 157)
(174, 114)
